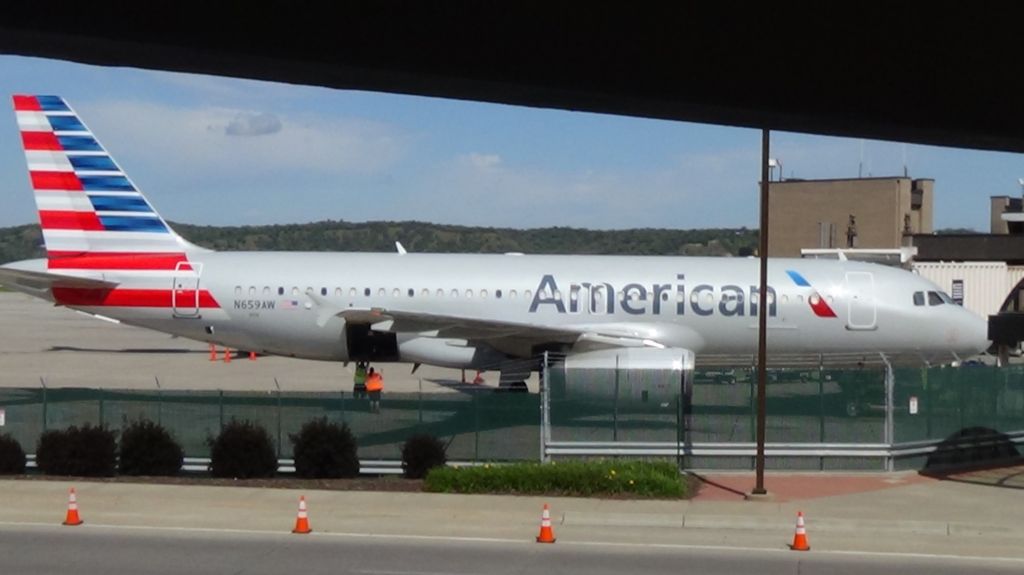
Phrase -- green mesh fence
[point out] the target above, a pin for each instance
(805, 407)
(478, 426)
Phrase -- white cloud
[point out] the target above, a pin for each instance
(249, 124)
(195, 140)
(481, 161)
(696, 190)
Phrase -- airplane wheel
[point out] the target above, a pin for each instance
(517, 386)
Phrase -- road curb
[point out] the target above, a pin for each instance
(773, 523)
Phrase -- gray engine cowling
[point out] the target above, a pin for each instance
(626, 374)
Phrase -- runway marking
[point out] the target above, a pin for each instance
(525, 542)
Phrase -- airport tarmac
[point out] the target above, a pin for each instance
(40, 343)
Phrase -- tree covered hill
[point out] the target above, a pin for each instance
(22, 242)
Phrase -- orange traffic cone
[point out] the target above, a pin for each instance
(72, 516)
(302, 521)
(213, 352)
(800, 539)
(227, 355)
(252, 356)
(546, 534)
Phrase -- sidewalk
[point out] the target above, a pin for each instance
(974, 514)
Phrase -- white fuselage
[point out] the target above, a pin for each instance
(289, 303)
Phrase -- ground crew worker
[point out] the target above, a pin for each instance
(374, 386)
(359, 380)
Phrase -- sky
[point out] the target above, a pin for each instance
(223, 151)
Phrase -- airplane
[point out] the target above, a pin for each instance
(110, 254)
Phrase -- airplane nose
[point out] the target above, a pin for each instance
(974, 332)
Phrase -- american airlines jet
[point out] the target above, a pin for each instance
(109, 253)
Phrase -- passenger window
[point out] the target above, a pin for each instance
(412, 292)
(483, 294)
(497, 294)
(338, 292)
(252, 291)
(934, 298)
(266, 290)
(366, 292)
(919, 298)
(527, 294)
(440, 292)
(395, 292)
(323, 291)
(280, 290)
(238, 291)
(424, 292)
(512, 294)
(351, 292)
(381, 292)
(295, 290)
(469, 293)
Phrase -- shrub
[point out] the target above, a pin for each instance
(88, 451)
(573, 478)
(242, 450)
(12, 456)
(325, 449)
(149, 449)
(421, 453)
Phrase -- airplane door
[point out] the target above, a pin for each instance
(861, 289)
(185, 290)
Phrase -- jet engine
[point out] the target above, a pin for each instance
(640, 374)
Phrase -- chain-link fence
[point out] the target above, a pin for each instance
(818, 419)
(478, 425)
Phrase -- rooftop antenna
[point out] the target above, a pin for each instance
(860, 166)
(905, 161)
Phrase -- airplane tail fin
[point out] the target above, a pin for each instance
(87, 205)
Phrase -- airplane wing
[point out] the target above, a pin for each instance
(511, 337)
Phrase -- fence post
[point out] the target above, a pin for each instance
(278, 386)
(476, 428)
(927, 403)
(545, 414)
(159, 401)
(679, 429)
(42, 381)
(615, 403)
(890, 411)
(821, 407)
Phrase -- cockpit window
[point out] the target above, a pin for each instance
(919, 298)
(935, 298)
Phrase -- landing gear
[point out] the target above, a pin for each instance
(516, 386)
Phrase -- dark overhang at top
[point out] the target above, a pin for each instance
(850, 71)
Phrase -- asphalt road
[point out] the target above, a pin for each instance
(31, 550)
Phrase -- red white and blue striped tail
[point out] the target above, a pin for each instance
(87, 205)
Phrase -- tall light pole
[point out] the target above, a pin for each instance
(762, 319)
